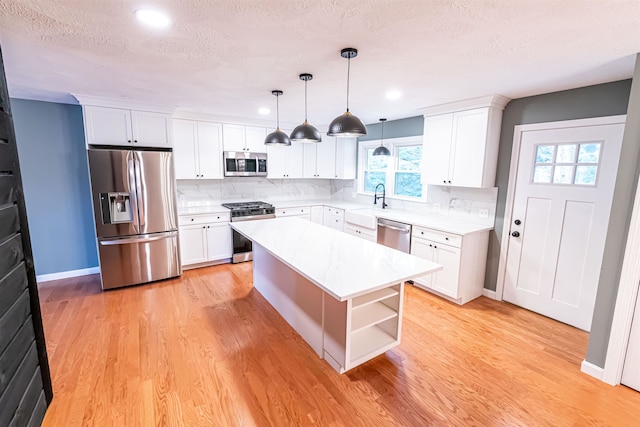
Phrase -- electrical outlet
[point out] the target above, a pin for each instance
(483, 213)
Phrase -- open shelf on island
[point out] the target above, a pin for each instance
(375, 296)
(367, 341)
(371, 314)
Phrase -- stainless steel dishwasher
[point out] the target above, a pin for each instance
(396, 235)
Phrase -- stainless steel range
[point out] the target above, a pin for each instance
(247, 211)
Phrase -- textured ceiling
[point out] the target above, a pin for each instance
(225, 56)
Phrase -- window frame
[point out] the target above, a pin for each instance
(392, 144)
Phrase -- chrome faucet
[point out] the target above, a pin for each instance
(376, 197)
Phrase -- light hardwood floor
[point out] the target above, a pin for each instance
(208, 350)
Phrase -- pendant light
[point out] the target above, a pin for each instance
(278, 137)
(347, 124)
(305, 132)
(382, 150)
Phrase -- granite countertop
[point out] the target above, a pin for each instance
(342, 265)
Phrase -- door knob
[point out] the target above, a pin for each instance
(517, 222)
(515, 234)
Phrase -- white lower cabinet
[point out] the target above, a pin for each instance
(362, 232)
(300, 212)
(205, 239)
(334, 218)
(463, 259)
(317, 214)
(373, 327)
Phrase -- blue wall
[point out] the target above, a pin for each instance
(55, 176)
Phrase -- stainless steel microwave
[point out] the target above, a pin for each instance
(238, 163)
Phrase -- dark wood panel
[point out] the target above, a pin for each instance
(8, 191)
(9, 221)
(10, 254)
(18, 386)
(38, 412)
(10, 359)
(11, 321)
(11, 286)
(7, 150)
(28, 402)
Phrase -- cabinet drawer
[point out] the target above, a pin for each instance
(203, 219)
(337, 213)
(293, 211)
(438, 236)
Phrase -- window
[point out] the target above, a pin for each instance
(400, 173)
(573, 164)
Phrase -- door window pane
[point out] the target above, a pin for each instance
(563, 175)
(586, 175)
(542, 174)
(589, 153)
(408, 184)
(544, 153)
(371, 179)
(566, 153)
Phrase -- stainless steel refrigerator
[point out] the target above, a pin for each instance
(135, 214)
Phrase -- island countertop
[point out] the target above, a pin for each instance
(340, 264)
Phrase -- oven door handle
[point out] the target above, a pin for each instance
(252, 217)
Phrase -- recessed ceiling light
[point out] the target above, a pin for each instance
(264, 111)
(153, 18)
(394, 94)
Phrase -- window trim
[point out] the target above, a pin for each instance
(392, 144)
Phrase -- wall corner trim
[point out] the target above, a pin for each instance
(592, 370)
(489, 293)
(67, 274)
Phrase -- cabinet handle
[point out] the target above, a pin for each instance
(204, 227)
(435, 247)
(191, 219)
(445, 181)
(208, 226)
(430, 245)
(129, 141)
(135, 141)
(449, 182)
(446, 238)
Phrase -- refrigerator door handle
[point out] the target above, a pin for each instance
(138, 239)
(140, 189)
(132, 189)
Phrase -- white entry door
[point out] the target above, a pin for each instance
(563, 192)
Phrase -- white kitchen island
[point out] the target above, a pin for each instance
(342, 294)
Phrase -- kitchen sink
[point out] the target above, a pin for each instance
(362, 217)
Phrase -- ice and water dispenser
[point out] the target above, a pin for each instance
(116, 208)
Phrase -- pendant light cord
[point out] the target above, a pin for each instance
(305, 101)
(382, 136)
(277, 112)
(348, 73)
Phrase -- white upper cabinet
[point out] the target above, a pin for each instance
(285, 161)
(320, 159)
(244, 138)
(461, 147)
(117, 126)
(346, 155)
(197, 149)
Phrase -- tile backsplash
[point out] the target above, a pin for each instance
(465, 204)
(244, 188)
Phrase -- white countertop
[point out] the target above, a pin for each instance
(423, 220)
(342, 265)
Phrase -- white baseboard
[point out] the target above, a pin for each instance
(489, 293)
(66, 274)
(591, 369)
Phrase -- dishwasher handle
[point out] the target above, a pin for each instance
(402, 230)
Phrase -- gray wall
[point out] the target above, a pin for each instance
(411, 126)
(607, 99)
(53, 160)
(621, 210)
